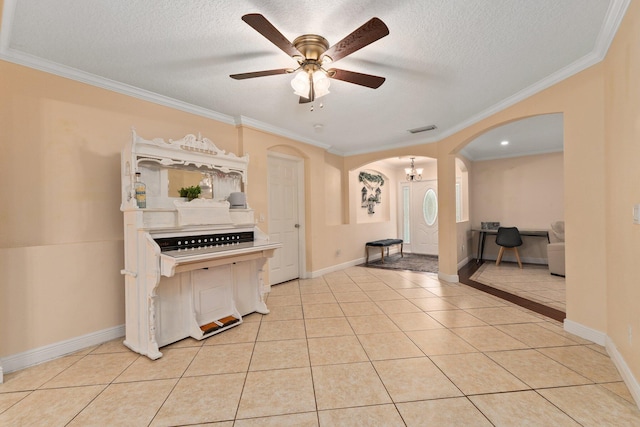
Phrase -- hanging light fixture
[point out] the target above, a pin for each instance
(413, 174)
(311, 84)
(311, 80)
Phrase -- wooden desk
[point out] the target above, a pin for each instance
(482, 234)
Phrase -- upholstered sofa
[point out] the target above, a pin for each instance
(555, 249)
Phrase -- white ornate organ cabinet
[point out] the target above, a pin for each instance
(192, 268)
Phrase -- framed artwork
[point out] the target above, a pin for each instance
(371, 193)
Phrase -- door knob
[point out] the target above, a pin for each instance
(297, 226)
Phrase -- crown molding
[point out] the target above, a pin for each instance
(568, 71)
(266, 127)
(34, 62)
(31, 61)
(611, 23)
(610, 26)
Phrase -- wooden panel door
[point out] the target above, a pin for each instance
(284, 224)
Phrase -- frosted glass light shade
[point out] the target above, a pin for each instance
(300, 84)
(320, 84)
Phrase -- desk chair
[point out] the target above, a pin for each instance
(508, 238)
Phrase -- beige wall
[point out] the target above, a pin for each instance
(526, 192)
(334, 198)
(622, 188)
(61, 232)
(61, 243)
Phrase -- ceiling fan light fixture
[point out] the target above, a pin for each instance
(311, 85)
(312, 52)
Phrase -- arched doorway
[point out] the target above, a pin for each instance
(518, 180)
(285, 187)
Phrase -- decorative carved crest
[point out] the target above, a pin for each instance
(201, 145)
(189, 143)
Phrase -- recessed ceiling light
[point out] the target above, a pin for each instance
(504, 143)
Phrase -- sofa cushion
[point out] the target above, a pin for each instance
(557, 228)
(555, 256)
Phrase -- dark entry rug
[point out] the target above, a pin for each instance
(411, 262)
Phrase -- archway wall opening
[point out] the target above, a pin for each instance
(581, 100)
(518, 180)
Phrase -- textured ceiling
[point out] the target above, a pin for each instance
(446, 62)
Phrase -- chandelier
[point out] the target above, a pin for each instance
(413, 174)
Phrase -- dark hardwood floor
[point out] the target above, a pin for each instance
(467, 271)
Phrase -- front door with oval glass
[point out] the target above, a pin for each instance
(424, 217)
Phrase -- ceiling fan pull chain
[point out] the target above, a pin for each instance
(312, 94)
(321, 106)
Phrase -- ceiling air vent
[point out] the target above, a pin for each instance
(423, 129)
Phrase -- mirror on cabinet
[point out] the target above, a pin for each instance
(182, 179)
(214, 184)
(165, 167)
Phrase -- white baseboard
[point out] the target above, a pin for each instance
(53, 351)
(602, 339)
(373, 257)
(451, 278)
(336, 267)
(585, 332)
(626, 374)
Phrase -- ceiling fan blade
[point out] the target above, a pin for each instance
(372, 30)
(304, 100)
(367, 80)
(243, 76)
(264, 27)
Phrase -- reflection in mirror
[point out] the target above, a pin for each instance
(214, 184)
(181, 179)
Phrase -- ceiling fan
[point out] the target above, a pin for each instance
(312, 52)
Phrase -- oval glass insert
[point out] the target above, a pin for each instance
(430, 207)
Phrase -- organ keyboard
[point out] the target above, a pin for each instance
(192, 269)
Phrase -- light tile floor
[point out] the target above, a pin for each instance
(533, 282)
(359, 347)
